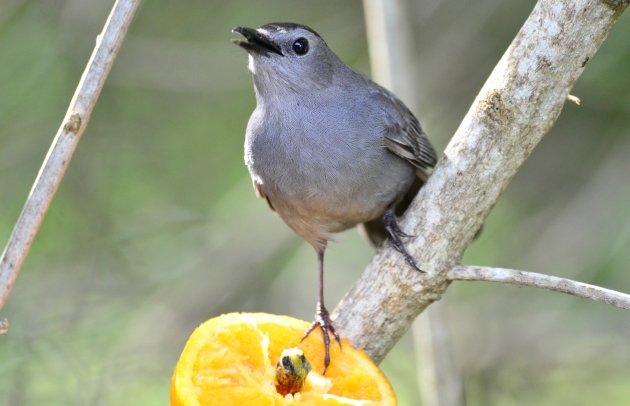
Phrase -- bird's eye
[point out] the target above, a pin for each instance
(300, 46)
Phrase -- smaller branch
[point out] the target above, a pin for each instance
(54, 167)
(538, 280)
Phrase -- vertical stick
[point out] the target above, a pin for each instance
(393, 62)
(108, 44)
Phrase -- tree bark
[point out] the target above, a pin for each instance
(518, 104)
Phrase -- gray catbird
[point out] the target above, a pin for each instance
(328, 148)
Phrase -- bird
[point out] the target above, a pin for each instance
(328, 148)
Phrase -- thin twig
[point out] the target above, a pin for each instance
(50, 174)
(538, 280)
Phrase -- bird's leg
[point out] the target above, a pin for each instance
(322, 317)
(395, 235)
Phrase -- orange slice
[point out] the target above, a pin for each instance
(231, 360)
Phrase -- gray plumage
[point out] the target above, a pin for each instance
(328, 148)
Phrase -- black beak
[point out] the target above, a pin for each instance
(256, 41)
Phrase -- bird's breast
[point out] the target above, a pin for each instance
(323, 165)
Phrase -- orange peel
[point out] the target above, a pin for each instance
(231, 360)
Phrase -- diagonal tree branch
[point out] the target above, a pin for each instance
(538, 280)
(518, 104)
(108, 44)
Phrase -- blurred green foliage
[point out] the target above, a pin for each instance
(155, 227)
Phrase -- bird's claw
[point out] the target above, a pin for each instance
(323, 321)
(395, 238)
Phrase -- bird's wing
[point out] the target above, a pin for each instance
(403, 134)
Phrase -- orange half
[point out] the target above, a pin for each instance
(231, 359)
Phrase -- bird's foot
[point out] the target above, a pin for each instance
(323, 321)
(395, 237)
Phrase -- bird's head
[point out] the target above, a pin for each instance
(287, 57)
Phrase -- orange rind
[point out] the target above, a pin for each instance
(231, 360)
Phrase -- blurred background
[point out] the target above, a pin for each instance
(156, 228)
